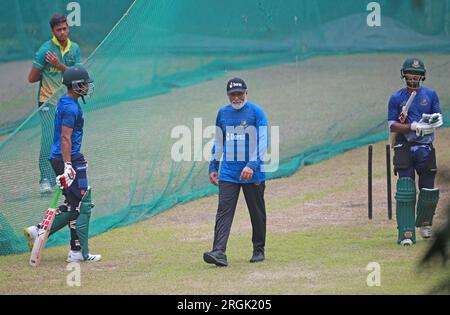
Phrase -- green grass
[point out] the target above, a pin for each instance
(319, 240)
(323, 250)
(150, 259)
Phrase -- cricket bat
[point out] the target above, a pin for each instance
(403, 115)
(44, 231)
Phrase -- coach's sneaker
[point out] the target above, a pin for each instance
(406, 242)
(31, 233)
(77, 256)
(258, 256)
(425, 232)
(216, 257)
(45, 187)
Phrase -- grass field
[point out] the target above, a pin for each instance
(319, 238)
(319, 241)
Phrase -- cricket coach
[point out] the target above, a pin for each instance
(241, 140)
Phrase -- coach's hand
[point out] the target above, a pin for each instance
(214, 178)
(66, 179)
(247, 173)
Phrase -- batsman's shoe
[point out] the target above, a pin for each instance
(92, 257)
(77, 256)
(425, 232)
(31, 233)
(258, 256)
(45, 187)
(216, 257)
(406, 242)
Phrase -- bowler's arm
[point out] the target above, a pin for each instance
(34, 75)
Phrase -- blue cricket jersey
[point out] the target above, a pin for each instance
(425, 102)
(241, 140)
(69, 114)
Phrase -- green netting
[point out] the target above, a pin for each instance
(24, 27)
(321, 73)
(24, 24)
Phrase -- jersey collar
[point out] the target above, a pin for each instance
(61, 48)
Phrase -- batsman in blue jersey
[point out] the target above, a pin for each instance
(241, 140)
(71, 168)
(414, 152)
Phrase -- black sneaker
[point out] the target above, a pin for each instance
(257, 257)
(216, 257)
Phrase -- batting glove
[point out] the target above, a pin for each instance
(66, 179)
(435, 120)
(422, 129)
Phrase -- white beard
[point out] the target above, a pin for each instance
(239, 105)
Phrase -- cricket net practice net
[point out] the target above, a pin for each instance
(323, 71)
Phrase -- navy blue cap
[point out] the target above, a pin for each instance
(236, 85)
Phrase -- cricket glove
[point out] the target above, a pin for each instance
(66, 179)
(435, 120)
(422, 128)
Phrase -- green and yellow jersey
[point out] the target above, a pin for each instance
(51, 77)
